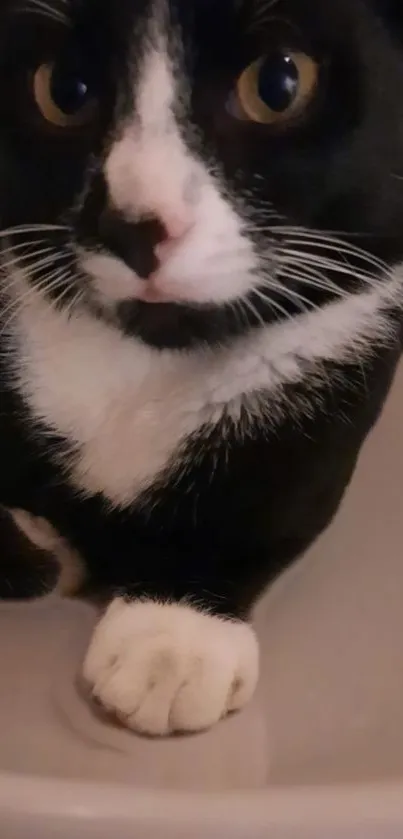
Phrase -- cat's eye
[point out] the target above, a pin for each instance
(276, 88)
(63, 96)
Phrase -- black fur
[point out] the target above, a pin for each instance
(234, 512)
(338, 169)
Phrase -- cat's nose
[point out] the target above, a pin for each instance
(136, 243)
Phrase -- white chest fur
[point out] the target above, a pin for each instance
(127, 407)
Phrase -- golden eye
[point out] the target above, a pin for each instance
(276, 88)
(62, 96)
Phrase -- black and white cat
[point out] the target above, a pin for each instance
(201, 206)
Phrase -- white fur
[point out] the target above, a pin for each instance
(45, 537)
(150, 171)
(124, 407)
(128, 407)
(168, 667)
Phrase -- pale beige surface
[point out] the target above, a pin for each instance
(328, 713)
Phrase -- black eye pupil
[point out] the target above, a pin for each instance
(278, 82)
(69, 89)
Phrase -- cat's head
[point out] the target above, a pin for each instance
(187, 170)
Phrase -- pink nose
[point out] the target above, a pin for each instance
(175, 230)
(143, 245)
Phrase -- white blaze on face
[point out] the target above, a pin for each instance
(150, 171)
(149, 167)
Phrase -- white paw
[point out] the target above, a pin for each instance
(168, 667)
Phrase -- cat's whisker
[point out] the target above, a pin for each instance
(78, 297)
(29, 243)
(321, 284)
(44, 9)
(332, 245)
(273, 303)
(296, 258)
(20, 258)
(256, 314)
(29, 291)
(237, 307)
(309, 271)
(310, 277)
(305, 273)
(12, 315)
(51, 303)
(65, 293)
(22, 229)
(304, 305)
(53, 259)
(45, 285)
(354, 349)
(30, 269)
(332, 242)
(291, 294)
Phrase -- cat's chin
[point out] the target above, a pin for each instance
(178, 326)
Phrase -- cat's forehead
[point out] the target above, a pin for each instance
(192, 12)
(220, 27)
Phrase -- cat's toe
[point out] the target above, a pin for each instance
(167, 667)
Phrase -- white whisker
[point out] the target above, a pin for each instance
(249, 305)
(237, 308)
(338, 247)
(22, 229)
(78, 297)
(19, 258)
(273, 304)
(45, 10)
(301, 259)
(46, 285)
(331, 240)
(321, 284)
(28, 243)
(13, 278)
(291, 294)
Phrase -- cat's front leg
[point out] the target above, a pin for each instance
(163, 667)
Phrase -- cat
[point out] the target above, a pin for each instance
(201, 211)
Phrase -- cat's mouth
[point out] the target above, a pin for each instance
(114, 283)
(156, 296)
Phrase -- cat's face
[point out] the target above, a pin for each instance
(208, 165)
